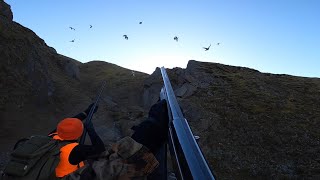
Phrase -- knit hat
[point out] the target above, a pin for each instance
(70, 129)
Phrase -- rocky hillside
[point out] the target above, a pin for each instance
(251, 125)
(40, 87)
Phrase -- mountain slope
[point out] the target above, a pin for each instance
(40, 87)
(251, 124)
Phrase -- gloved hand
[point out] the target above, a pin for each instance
(159, 112)
(153, 131)
(83, 115)
(87, 111)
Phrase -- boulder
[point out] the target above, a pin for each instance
(181, 91)
(185, 90)
(72, 70)
(69, 66)
(152, 87)
(110, 103)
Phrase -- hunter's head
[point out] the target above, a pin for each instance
(70, 129)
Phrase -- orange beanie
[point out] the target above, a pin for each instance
(70, 129)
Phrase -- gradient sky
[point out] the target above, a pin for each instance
(275, 36)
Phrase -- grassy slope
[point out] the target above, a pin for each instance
(263, 125)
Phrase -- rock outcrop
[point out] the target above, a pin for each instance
(70, 66)
(5, 11)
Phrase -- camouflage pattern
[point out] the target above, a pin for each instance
(126, 159)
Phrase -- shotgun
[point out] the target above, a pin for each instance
(187, 158)
(89, 117)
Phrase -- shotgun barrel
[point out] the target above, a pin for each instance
(188, 160)
(89, 117)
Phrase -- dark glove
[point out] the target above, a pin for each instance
(83, 115)
(159, 112)
(153, 131)
(87, 111)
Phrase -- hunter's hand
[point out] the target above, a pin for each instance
(159, 112)
(153, 131)
(87, 111)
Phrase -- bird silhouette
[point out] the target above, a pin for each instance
(218, 44)
(176, 38)
(72, 28)
(140, 22)
(72, 40)
(206, 48)
(90, 26)
(126, 37)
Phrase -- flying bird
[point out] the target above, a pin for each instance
(218, 44)
(206, 48)
(72, 28)
(140, 22)
(175, 38)
(72, 40)
(125, 36)
(90, 26)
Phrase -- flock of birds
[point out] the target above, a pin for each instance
(126, 37)
(71, 28)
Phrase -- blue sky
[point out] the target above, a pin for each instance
(275, 36)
